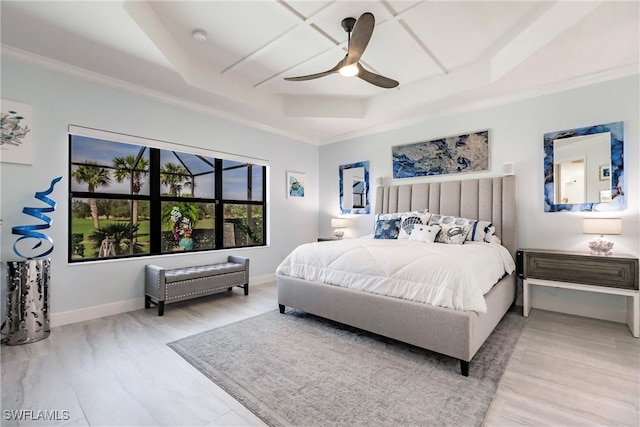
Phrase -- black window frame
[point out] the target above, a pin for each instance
(155, 200)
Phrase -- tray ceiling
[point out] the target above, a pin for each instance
(447, 55)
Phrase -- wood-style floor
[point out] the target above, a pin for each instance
(118, 371)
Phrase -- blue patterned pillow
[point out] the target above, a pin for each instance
(387, 226)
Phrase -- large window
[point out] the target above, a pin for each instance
(133, 199)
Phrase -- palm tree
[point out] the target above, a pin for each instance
(94, 176)
(132, 169)
(173, 175)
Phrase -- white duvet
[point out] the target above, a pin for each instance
(452, 276)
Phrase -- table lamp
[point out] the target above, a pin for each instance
(339, 224)
(601, 245)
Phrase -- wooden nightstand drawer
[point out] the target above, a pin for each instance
(617, 271)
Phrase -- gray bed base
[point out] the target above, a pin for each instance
(455, 333)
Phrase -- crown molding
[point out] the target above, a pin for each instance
(419, 116)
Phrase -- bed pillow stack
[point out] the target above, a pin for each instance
(450, 229)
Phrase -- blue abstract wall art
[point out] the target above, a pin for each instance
(454, 154)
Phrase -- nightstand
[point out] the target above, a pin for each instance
(615, 274)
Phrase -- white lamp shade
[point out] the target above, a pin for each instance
(601, 225)
(339, 222)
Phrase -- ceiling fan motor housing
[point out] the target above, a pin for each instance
(348, 23)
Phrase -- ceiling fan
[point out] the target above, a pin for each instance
(349, 65)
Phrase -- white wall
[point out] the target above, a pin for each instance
(86, 290)
(516, 135)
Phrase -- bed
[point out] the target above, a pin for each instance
(454, 332)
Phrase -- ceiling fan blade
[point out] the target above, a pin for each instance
(360, 38)
(376, 79)
(317, 75)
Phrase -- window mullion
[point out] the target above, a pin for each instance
(219, 219)
(155, 210)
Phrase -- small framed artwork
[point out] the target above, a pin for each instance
(15, 123)
(296, 181)
(605, 196)
(605, 172)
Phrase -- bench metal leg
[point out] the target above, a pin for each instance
(246, 289)
(281, 307)
(147, 301)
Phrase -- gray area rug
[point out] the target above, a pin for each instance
(301, 370)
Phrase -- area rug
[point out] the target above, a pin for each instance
(301, 370)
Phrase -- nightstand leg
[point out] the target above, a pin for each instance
(526, 300)
(633, 314)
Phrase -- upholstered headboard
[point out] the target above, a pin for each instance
(489, 199)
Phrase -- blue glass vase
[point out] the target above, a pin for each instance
(186, 243)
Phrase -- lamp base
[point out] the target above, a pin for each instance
(338, 233)
(600, 246)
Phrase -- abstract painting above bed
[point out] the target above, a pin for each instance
(453, 154)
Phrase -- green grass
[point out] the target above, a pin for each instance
(85, 226)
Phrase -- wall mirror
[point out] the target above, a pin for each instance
(584, 169)
(354, 188)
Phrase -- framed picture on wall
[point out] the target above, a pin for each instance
(296, 181)
(605, 172)
(16, 123)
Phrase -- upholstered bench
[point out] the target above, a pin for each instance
(167, 286)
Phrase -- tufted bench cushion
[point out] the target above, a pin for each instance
(171, 285)
(187, 273)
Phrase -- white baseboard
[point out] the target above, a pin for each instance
(95, 312)
(261, 280)
(98, 311)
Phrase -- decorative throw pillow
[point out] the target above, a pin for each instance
(387, 226)
(409, 220)
(453, 234)
(480, 231)
(450, 220)
(424, 233)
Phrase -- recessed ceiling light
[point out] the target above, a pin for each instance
(200, 35)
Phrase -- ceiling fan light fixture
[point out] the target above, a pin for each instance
(349, 70)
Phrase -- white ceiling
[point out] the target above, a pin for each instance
(447, 55)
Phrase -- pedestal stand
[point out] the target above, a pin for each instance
(28, 302)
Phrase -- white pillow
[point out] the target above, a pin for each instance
(424, 233)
